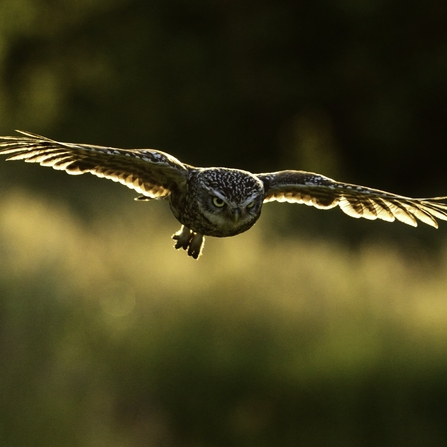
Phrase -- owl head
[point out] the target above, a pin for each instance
(230, 199)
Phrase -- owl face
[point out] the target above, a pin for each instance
(229, 199)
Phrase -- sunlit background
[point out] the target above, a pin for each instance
(311, 329)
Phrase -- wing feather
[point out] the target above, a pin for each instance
(151, 173)
(354, 200)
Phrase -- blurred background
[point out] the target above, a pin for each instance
(311, 329)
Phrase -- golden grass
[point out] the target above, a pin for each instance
(104, 318)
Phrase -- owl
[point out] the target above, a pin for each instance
(217, 202)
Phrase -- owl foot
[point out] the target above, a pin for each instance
(189, 240)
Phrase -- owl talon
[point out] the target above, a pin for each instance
(196, 245)
(189, 240)
(183, 237)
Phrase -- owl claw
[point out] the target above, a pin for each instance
(196, 245)
(189, 240)
(183, 238)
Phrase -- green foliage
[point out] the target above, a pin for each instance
(110, 337)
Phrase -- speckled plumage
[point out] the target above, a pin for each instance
(217, 202)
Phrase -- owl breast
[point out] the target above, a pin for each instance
(219, 202)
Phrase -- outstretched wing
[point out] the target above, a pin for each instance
(356, 201)
(151, 173)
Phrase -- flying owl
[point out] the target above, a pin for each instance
(217, 202)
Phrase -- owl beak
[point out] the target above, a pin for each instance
(236, 214)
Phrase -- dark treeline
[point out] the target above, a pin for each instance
(356, 89)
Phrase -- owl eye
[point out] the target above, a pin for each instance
(219, 203)
(251, 204)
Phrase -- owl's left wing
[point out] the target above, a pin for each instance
(356, 201)
(151, 173)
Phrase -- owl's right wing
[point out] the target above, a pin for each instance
(356, 201)
(154, 174)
